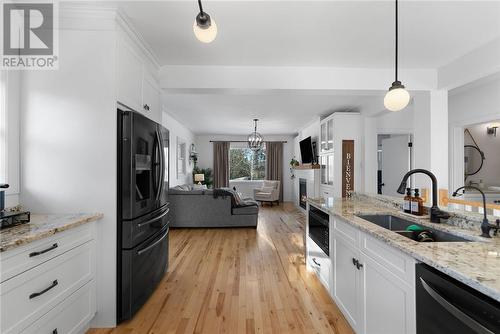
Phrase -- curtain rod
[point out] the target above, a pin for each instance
(246, 141)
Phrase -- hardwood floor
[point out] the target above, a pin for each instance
(241, 280)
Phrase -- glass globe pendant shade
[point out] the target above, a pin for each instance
(397, 98)
(205, 33)
(255, 141)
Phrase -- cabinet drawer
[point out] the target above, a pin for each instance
(16, 261)
(390, 258)
(319, 262)
(28, 296)
(346, 231)
(71, 316)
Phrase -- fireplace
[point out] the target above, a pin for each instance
(302, 193)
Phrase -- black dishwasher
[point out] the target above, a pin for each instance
(445, 305)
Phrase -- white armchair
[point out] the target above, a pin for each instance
(269, 192)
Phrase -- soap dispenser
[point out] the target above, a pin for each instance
(407, 201)
(417, 204)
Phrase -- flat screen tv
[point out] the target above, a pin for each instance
(306, 151)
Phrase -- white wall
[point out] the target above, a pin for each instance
(206, 159)
(177, 130)
(68, 145)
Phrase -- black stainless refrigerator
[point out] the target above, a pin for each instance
(143, 210)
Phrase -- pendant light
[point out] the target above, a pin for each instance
(397, 98)
(204, 26)
(255, 139)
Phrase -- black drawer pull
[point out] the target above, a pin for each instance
(316, 263)
(54, 246)
(36, 294)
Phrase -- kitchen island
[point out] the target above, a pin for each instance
(370, 270)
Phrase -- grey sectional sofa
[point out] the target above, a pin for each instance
(201, 208)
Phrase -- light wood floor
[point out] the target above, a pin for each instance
(241, 280)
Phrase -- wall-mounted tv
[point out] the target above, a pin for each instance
(306, 151)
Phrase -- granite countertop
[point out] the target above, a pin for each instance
(42, 226)
(476, 263)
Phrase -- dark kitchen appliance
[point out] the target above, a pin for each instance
(445, 305)
(143, 209)
(319, 230)
(306, 151)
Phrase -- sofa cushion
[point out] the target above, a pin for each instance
(267, 190)
(246, 210)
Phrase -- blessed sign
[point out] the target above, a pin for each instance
(347, 167)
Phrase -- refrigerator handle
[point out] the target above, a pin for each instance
(159, 182)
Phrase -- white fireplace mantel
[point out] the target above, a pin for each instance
(313, 179)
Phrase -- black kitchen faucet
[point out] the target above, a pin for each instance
(436, 213)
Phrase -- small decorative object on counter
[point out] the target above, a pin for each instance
(417, 204)
(407, 201)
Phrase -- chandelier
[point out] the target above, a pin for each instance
(255, 139)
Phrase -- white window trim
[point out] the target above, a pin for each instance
(3, 128)
(9, 144)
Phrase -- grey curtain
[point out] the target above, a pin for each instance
(221, 164)
(274, 163)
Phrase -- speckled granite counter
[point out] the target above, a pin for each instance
(42, 226)
(476, 263)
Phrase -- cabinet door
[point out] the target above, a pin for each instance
(330, 168)
(323, 139)
(129, 76)
(151, 99)
(388, 301)
(346, 280)
(329, 131)
(323, 160)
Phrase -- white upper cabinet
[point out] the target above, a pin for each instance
(138, 87)
(129, 76)
(151, 99)
(326, 135)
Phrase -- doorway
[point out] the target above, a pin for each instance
(394, 155)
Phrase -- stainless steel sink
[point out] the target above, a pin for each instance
(399, 226)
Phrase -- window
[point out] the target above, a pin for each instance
(246, 164)
(181, 157)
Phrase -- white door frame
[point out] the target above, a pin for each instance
(411, 135)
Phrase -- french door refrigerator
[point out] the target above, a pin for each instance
(143, 209)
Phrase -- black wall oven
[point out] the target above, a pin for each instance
(143, 210)
(319, 228)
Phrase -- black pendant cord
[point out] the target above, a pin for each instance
(396, 53)
(201, 7)
(255, 120)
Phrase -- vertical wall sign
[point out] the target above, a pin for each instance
(347, 168)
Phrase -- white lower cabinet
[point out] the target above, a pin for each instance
(71, 316)
(52, 290)
(346, 280)
(387, 301)
(372, 283)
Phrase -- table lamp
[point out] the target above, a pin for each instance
(199, 178)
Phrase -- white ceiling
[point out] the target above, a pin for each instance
(303, 33)
(317, 33)
(279, 112)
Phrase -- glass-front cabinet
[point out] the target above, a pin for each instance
(326, 135)
(327, 166)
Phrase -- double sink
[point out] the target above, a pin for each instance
(400, 225)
